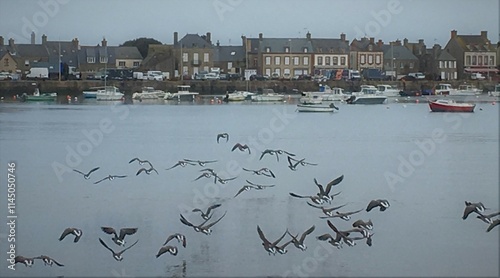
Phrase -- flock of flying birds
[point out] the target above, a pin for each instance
(479, 209)
(321, 200)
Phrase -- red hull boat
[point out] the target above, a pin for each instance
(448, 105)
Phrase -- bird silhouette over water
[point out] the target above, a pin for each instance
(181, 163)
(117, 255)
(223, 136)
(270, 247)
(110, 177)
(241, 147)
(383, 204)
(119, 239)
(73, 231)
(48, 260)
(203, 227)
(206, 214)
(87, 175)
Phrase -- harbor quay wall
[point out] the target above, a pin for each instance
(9, 88)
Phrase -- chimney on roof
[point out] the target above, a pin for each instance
(397, 42)
(44, 39)
(342, 37)
(209, 38)
(380, 43)
(32, 37)
(484, 34)
(405, 42)
(76, 43)
(308, 35)
(453, 33)
(260, 36)
(372, 40)
(11, 42)
(436, 50)
(421, 41)
(176, 38)
(104, 42)
(1, 41)
(218, 44)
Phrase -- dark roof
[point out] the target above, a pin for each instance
(194, 41)
(68, 51)
(31, 50)
(330, 45)
(229, 53)
(278, 45)
(446, 56)
(127, 52)
(474, 43)
(397, 51)
(254, 45)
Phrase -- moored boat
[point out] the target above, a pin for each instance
(183, 94)
(268, 95)
(37, 96)
(109, 93)
(328, 94)
(148, 93)
(367, 95)
(239, 96)
(449, 105)
(316, 108)
(496, 92)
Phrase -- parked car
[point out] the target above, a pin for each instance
(408, 78)
(5, 76)
(224, 76)
(417, 75)
(477, 76)
(275, 76)
(234, 76)
(259, 77)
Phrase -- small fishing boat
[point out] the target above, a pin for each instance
(316, 108)
(449, 105)
(37, 96)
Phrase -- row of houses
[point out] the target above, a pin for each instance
(463, 54)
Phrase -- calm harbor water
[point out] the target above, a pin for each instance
(425, 164)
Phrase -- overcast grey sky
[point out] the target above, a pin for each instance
(228, 20)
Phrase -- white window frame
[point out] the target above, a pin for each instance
(267, 60)
(287, 60)
(277, 60)
(296, 61)
(90, 60)
(305, 61)
(185, 57)
(206, 57)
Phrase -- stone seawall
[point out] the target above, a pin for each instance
(219, 87)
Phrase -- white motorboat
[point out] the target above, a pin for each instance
(148, 93)
(109, 93)
(496, 92)
(183, 94)
(316, 108)
(239, 96)
(329, 94)
(388, 90)
(268, 95)
(444, 89)
(310, 98)
(368, 95)
(467, 90)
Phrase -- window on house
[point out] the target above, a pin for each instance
(296, 61)
(480, 60)
(287, 60)
(103, 59)
(401, 65)
(287, 49)
(255, 62)
(492, 60)
(205, 68)
(90, 60)
(467, 60)
(370, 59)
(136, 64)
(335, 60)
(196, 58)
(320, 61)
(184, 57)
(305, 50)
(277, 60)
(411, 65)
(378, 59)
(362, 59)
(268, 72)
(268, 60)
(121, 63)
(278, 71)
(327, 60)
(474, 60)
(5, 62)
(441, 64)
(229, 65)
(185, 70)
(342, 61)
(320, 50)
(485, 60)
(206, 57)
(268, 49)
(305, 61)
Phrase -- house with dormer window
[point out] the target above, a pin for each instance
(330, 55)
(365, 53)
(473, 53)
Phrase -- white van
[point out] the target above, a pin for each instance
(38, 73)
